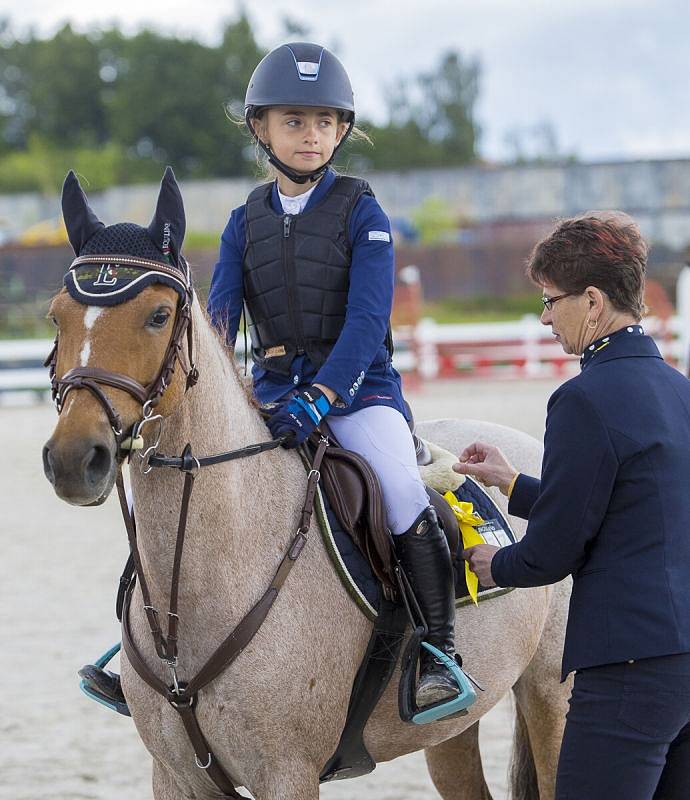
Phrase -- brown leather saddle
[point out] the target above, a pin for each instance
(353, 490)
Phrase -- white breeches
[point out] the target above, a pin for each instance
(381, 436)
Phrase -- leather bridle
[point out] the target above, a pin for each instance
(182, 695)
(92, 378)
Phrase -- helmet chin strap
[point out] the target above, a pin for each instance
(297, 177)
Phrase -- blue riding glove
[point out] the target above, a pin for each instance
(300, 416)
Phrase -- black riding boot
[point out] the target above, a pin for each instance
(424, 555)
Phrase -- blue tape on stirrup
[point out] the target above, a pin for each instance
(466, 694)
(106, 658)
(101, 663)
(121, 708)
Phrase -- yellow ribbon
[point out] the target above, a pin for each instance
(468, 520)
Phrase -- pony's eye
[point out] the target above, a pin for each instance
(159, 318)
(52, 319)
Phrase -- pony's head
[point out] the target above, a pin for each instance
(123, 320)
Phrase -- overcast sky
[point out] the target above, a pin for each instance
(611, 76)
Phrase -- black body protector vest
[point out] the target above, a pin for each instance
(297, 275)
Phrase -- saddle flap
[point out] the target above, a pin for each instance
(354, 493)
(348, 479)
(345, 490)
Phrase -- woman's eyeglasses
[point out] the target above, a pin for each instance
(549, 301)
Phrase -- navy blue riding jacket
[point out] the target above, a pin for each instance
(359, 367)
(612, 507)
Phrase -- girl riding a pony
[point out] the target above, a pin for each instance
(310, 258)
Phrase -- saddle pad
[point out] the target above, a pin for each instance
(352, 567)
(356, 574)
(495, 531)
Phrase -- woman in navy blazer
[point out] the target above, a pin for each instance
(612, 509)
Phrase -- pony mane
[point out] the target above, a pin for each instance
(227, 354)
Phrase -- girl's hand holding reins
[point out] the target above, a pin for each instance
(488, 465)
(299, 416)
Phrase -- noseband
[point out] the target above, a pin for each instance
(93, 378)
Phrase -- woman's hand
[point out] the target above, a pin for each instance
(487, 464)
(479, 558)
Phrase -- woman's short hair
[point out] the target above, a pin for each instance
(602, 249)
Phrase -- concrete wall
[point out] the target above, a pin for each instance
(656, 193)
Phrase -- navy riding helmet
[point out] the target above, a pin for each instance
(299, 74)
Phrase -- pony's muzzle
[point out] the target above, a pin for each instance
(81, 472)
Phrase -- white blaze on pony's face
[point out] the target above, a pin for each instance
(91, 314)
(130, 338)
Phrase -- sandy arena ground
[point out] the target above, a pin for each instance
(58, 576)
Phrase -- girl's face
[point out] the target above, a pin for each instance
(302, 137)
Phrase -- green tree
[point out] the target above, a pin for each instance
(52, 88)
(452, 93)
(431, 120)
(169, 97)
(146, 99)
(435, 221)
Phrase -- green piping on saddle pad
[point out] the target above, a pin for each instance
(334, 554)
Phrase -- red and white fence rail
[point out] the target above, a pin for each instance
(517, 349)
(427, 351)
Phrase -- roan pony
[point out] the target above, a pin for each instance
(274, 716)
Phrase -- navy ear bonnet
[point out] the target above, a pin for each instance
(115, 263)
(125, 237)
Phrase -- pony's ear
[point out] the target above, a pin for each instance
(80, 221)
(167, 227)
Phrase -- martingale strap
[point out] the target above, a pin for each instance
(182, 696)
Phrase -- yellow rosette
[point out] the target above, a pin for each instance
(468, 520)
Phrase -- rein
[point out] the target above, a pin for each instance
(182, 695)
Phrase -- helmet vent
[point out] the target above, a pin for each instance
(308, 70)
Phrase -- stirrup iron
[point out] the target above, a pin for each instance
(453, 706)
(92, 692)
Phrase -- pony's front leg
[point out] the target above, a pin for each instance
(455, 767)
(164, 785)
(288, 781)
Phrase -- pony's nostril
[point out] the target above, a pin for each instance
(47, 466)
(97, 464)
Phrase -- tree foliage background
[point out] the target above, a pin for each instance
(116, 107)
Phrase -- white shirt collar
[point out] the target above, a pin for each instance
(295, 205)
